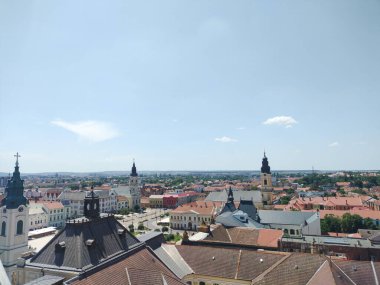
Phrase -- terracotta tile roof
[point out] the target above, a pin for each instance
(375, 215)
(121, 198)
(245, 236)
(300, 203)
(297, 269)
(53, 205)
(228, 263)
(323, 276)
(141, 267)
(359, 271)
(199, 207)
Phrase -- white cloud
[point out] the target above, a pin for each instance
(334, 144)
(286, 121)
(240, 128)
(94, 131)
(225, 139)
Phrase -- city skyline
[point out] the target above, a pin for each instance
(87, 87)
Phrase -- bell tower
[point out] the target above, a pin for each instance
(14, 221)
(134, 186)
(266, 182)
(91, 205)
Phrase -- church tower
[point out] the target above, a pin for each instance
(134, 186)
(14, 221)
(266, 182)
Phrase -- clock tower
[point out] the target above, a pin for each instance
(266, 183)
(14, 222)
(134, 186)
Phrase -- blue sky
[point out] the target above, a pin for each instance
(189, 85)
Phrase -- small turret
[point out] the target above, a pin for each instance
(91, 205)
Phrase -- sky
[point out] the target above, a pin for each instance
(189, 85)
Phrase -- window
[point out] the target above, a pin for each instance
(292, 232)
(202, 283)
(3, 228)
(20, 226)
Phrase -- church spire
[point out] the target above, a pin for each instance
(265, 168)
(14, 191)
(230, 196)
(134, 170)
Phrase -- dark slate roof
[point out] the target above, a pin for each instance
(228, 207)
(238, 195)
(284, 217)
(152, 239)
(248, 207)
(109, 236)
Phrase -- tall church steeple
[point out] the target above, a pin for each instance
(134, 187)
(14, 221)
(14, 191)
(266, 182)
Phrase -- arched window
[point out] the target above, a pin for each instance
(292, 232)
(202, 283)
(20, 226)
(3, 228)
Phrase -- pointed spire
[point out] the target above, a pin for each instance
(134, 170)
(230, 196)
(14, 191)
(265, 165)
(17, 156)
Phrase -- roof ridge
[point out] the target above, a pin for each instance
(315, 273)
(229, 236)
(262, 275)
(341, 270)
(374, 272)
(238, 264)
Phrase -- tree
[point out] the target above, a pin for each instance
(140, 227)
(165, 229)
(368, 224)
(131, 228)
(136, 208)
(351, 223)
(330, 223)
(284, 200)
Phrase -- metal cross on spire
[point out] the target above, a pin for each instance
(17, 156)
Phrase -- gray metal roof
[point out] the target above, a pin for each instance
(238, 195)
(169, 255)
(46, 280)
(228, 219)
(284, 217)
(72, 195)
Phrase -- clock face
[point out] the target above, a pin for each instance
(21, 208)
